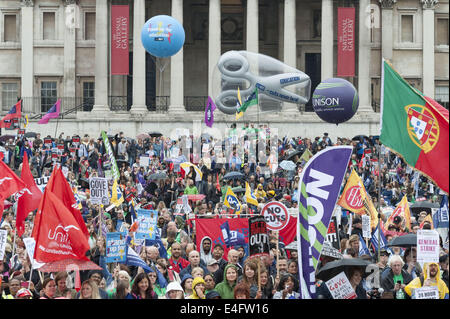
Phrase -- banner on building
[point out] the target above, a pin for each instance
(346, 42)
(120, 21)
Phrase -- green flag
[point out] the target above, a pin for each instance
(114, 168)
(306, 155)
(251, 100)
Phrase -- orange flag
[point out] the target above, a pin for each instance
(355, 199)
(402, 210)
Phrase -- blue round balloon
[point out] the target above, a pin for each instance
(335, 100)
(162, 36)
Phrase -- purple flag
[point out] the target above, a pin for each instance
(319, 187)
(209, 112)
(52, 113)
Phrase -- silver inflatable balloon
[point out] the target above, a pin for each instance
(276, 81)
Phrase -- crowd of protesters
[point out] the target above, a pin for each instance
(191, 272)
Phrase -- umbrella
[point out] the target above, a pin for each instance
(288, 165)
(155, 134)
(159, 175)
(5, 138)
(30, 134)
(233, 175)
(186, 166)
(334, 268)
(419, 206)
(291, 156)
(238, 190)
(409, 240)
(360, 138)
(143, 136)
(291, 246)
(196, 197)
(62, 265)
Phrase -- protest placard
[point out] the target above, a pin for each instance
(116, 247)
(98, 188)
(426, 293)
(366, 226)
(41, 182)
(147, 219)
(144, 161)
(3, 237)
(340, 287)
(258, 237)
(333, 234)
(427, 246)
(30, 245)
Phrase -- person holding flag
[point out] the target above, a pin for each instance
(231, 201)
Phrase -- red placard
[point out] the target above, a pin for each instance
(346, 42)
(119, 39)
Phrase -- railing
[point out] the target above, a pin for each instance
(38, 105)
(161, 104)
(195, 103)
(120, 103)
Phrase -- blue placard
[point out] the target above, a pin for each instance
(116, 247)
(147, 219)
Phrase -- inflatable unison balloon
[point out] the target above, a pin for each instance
(276, 82)
(335, 100)
(162, 36)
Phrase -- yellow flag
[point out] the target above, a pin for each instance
(355, 199)
(26, 121)
(116, 194)
(231, 201)
(249, 196)
(402, 209)
(239, 114)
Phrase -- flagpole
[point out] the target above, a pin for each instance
(379, 198)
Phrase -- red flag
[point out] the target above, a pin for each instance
(59, 186)
(29, 198)
(58, 235)
(217, 182)
(9, 183)
(14, 113)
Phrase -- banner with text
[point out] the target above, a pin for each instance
(119, 39)
(346, 42)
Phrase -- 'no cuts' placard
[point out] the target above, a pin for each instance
(98, 188)
(427, 246)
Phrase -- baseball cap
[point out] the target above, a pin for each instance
(384, 252)
(23, 292)
(397, 219)
(213, 295)
(212, 262)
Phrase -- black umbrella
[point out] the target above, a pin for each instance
(409, 240)
(291, 156)
(30, 134)
(5, 138)
(159, 175)
(334, 268)
(155, 134)
(233, 175)
(360, 138)
(238, 190)
(419, 206)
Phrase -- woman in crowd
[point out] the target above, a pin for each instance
(142, 287)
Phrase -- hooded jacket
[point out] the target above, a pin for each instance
(206, 257)
(417, 282)
(197, 280)
(173, 286)
(224, 288)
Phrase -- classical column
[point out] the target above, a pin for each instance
(327, 40)
(252, 38)
(386, 28)
(27, 65)
(101, 57)
(176, 67)
(138, 59)
(290, 45)
(69, 61)
(364, 57)
(428, 47)
(214, 44)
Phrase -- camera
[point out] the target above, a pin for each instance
(375, 293)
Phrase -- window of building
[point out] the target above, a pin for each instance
(48, 95)
(88, 95)
(441, 96)
(442, 31)
(10, 28)
(49, 32)
(407, 28)
(10, 92)
(89, 26)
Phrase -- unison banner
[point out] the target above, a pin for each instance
(120, 21)
(320, 182)
(346, 42)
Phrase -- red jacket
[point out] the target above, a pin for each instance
(178, 266)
